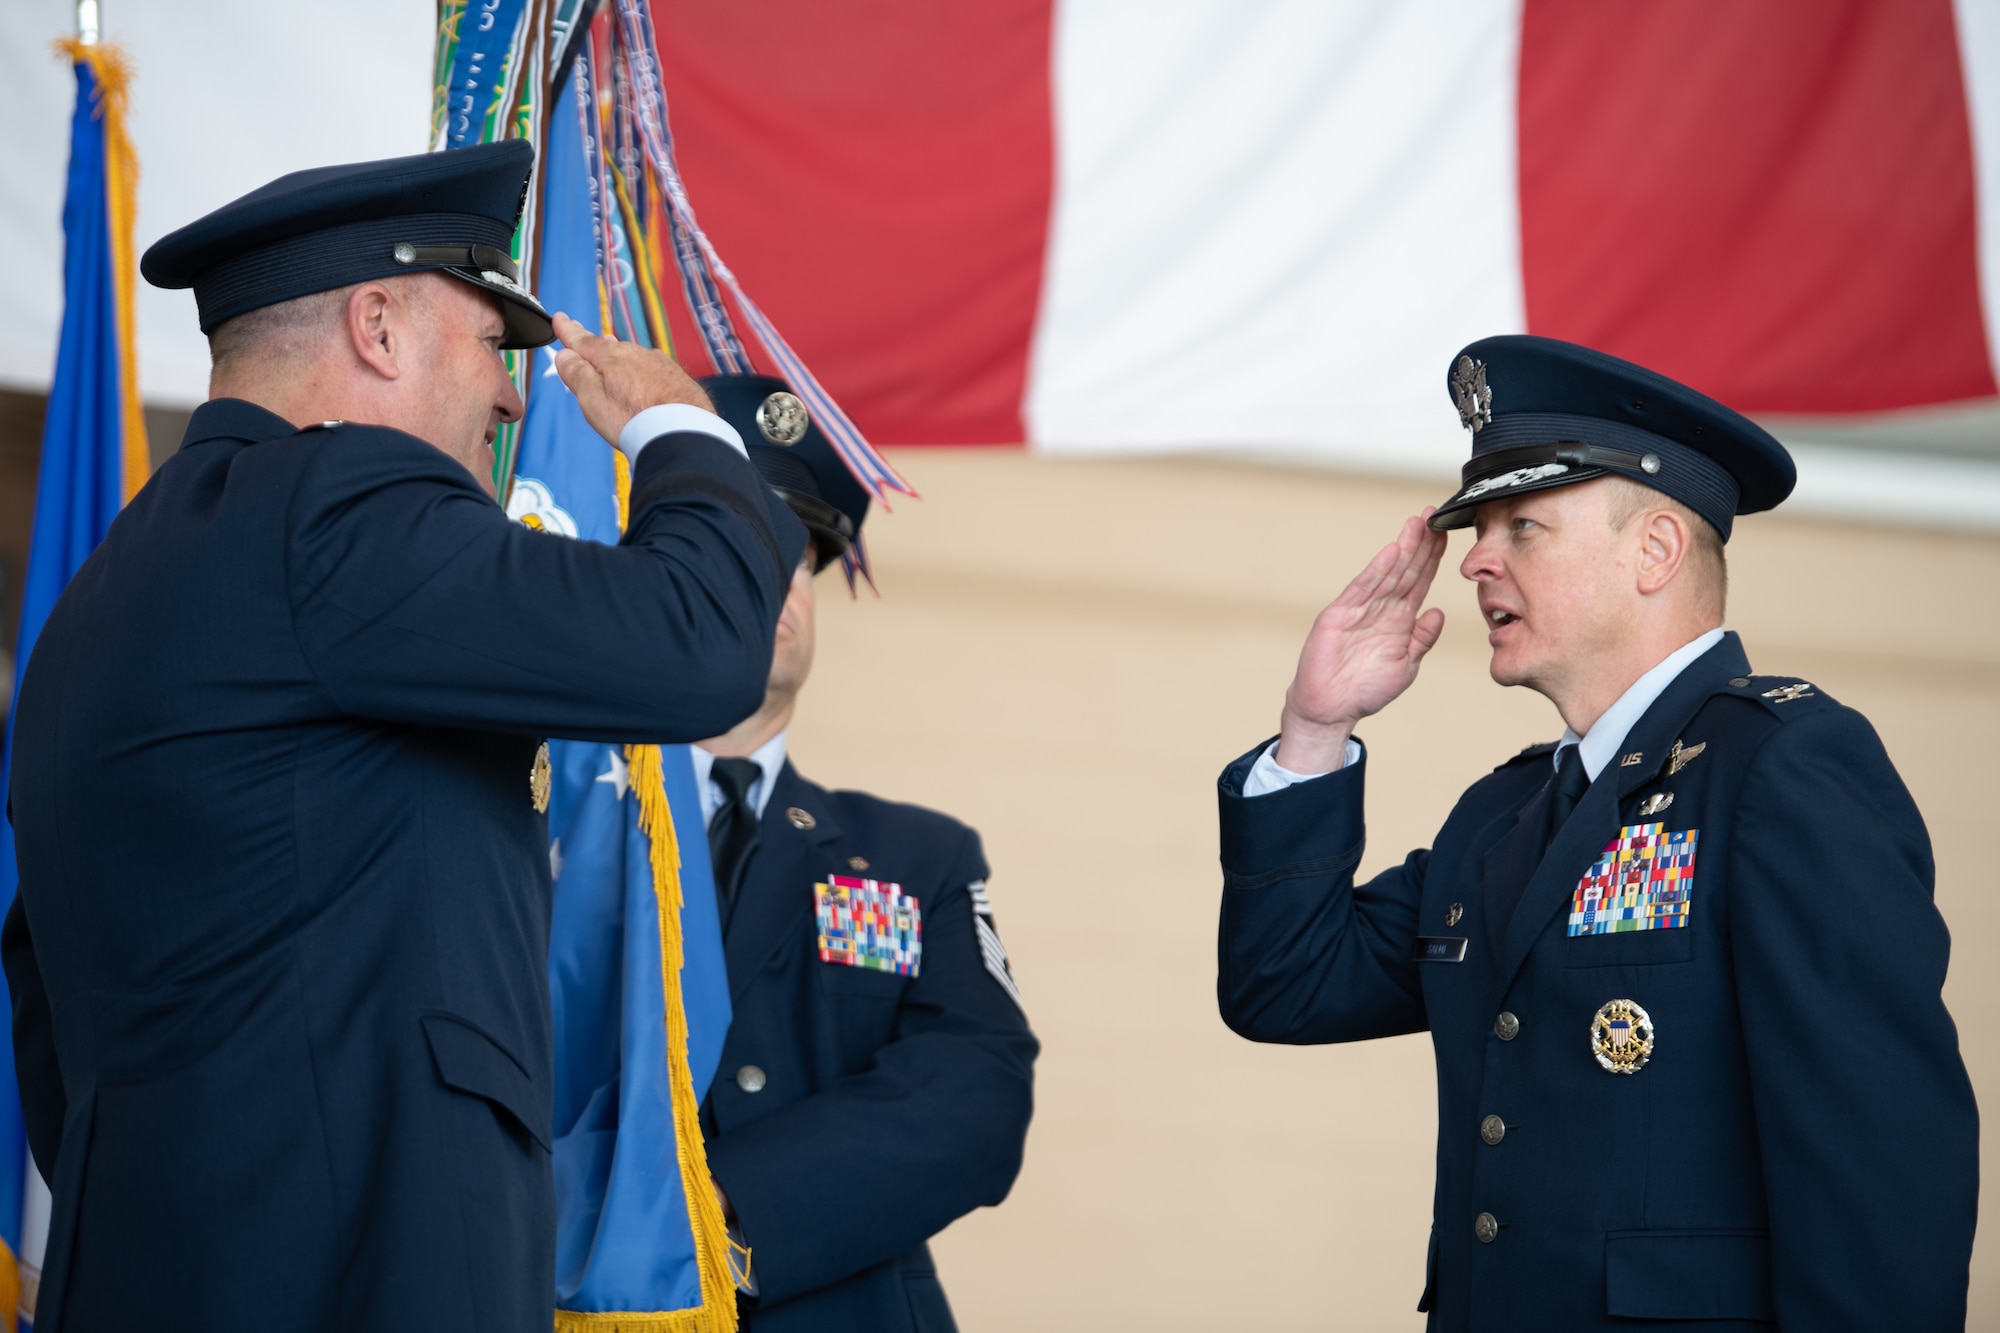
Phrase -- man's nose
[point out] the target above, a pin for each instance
(1479, 562)
(510, 403)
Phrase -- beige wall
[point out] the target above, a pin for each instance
(1065, 653)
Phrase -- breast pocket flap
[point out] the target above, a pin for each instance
(472, 1062)
(1689, 1274)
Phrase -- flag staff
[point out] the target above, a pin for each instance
(86, 22)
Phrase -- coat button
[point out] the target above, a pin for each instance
(1453, 913)
(750, 1078)
(1506, 1027)
(1739, 682)
(1485, 1228)
(1492, 1129)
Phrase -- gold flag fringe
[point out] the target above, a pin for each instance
(715, 1253)
(112, 70)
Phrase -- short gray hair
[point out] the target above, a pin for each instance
(1708, 564)
(281, 330)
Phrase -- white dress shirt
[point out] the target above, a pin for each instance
(769, 758)
(1598, 745)
(654, 422)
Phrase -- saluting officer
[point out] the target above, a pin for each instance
(877, 1079)
(281, 1013)
(1681, 968)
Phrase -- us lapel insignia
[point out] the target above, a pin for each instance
(1785, 694)
(1681, 756)
(868, 923)
(540, 779)
(800, 819)
(1655, 803)
(1633, 760)
(1621, 1037)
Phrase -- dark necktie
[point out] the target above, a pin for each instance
(732, 834)
(1558, 800)
(1572, 781)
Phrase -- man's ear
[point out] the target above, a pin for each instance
(1664, 542)
(376, 328)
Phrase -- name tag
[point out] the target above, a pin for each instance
(1438, 949)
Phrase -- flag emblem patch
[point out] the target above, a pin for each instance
(868, 923)
(1643, 881)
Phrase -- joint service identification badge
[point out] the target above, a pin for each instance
(868, 923)
(1621, 1037)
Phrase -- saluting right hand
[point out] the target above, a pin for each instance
(1363, 650)
(615, 381)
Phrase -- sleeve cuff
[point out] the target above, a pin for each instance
(1267, 775)
(666, 418)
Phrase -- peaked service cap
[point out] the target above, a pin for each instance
(1545, 413)
(452, 212)
(794, 458)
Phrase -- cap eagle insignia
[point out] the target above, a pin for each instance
(1470, 391)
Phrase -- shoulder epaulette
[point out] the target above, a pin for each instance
(1776, 692)
(1531, 752)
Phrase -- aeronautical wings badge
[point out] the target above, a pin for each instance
(1621, 1037)
(1681, 756)
(1469, 391)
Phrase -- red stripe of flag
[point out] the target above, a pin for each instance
(878, 175)
(1771, 200)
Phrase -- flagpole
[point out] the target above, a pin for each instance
(86, 22)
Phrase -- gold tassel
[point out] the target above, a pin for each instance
(714, 1254)
(113, 73)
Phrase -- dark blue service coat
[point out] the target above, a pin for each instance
(857, 1113)
(1802, 1146)
(281, 1014)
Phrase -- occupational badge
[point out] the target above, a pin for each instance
(1681, 756)
(540, 778)
(782, 418)
(1621, 1037)
(868, 923)
(1655, 803)
(1643, 880)
(1469, 390)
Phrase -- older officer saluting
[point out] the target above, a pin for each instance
(277, 962)
(1681, 969)
(878, 1076)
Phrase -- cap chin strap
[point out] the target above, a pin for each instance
(458, 256)
(1574, 453)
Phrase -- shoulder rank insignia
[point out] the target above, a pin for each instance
(987, 936)
(868, 923)
(1681, 756)
(1644, 880)
(1785, 694)
(540, 778)
(1621, 1037)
